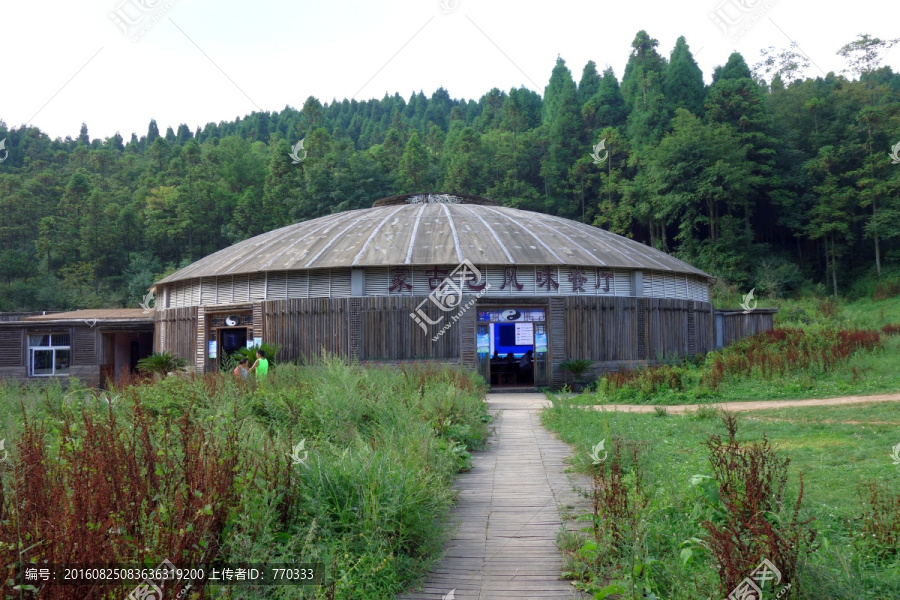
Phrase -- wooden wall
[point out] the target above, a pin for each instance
(679, 327)
(176, 332)
(705, 327)
(737, 325)
(12, 347)
(601, 329)
(610, 331)
(304, 327)
(387, 331)
(367, 328)
(634, 331)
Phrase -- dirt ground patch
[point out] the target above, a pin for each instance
(824, 422)
(755, 405)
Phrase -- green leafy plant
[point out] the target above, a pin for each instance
(161, 362)
(880, 532)
(577, 367)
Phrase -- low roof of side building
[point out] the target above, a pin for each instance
(101, 315)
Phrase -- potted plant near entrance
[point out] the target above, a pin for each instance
(159, 363)
(577, 367)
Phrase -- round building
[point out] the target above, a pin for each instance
(440, 277)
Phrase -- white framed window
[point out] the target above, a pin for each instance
(49, 354)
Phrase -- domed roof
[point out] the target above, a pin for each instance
(432, 230)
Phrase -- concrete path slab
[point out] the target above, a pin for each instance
(508, 514)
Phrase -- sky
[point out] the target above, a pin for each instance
(116, 64)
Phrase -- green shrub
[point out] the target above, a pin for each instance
(161, 362)
(576, 366)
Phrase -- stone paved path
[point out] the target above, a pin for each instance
(507, 516)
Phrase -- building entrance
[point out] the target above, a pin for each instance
(512, 346)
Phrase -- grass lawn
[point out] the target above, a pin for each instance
(836, 449)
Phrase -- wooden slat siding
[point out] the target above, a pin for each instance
(201, 344)
(176, 332)
(601, 329)
(670, 331)
(84, 346)
(738, 325)
(641, 325)
(705, 334)
(465, 332)
(258, 321)
(692, 328)
(304, 327)
(656, 344)
(354, 341)
(556, 325)
(607, 330)
(388, 331)
(12, 348)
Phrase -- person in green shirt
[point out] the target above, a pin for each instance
(261, 366)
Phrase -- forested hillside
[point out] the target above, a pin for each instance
(764, 178)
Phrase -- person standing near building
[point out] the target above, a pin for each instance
(261, 366)
(241, 369)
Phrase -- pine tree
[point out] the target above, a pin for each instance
(864, 56)
(72, 206)
(563, 125)
(736, 100)
(684, 86)
(642, 88)
(589, 83)
(152, 133)
(413, 173)
(700, 177)
(438, 108)
(183, 135)
(606, 108)
(463, 162)
(735, 68)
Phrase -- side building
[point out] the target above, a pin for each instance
(96, 346)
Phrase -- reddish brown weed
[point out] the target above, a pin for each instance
(118, 491)
(751, 480)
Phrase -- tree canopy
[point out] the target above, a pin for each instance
(732, 176)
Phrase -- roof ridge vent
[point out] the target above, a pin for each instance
(432, 198)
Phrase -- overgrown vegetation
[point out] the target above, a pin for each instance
(780, 355)
(197, 468)
(822, 348)
(683, 507)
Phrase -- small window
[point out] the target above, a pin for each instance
(49, 354)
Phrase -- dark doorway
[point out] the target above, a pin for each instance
(135, 355)
(232, 340)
